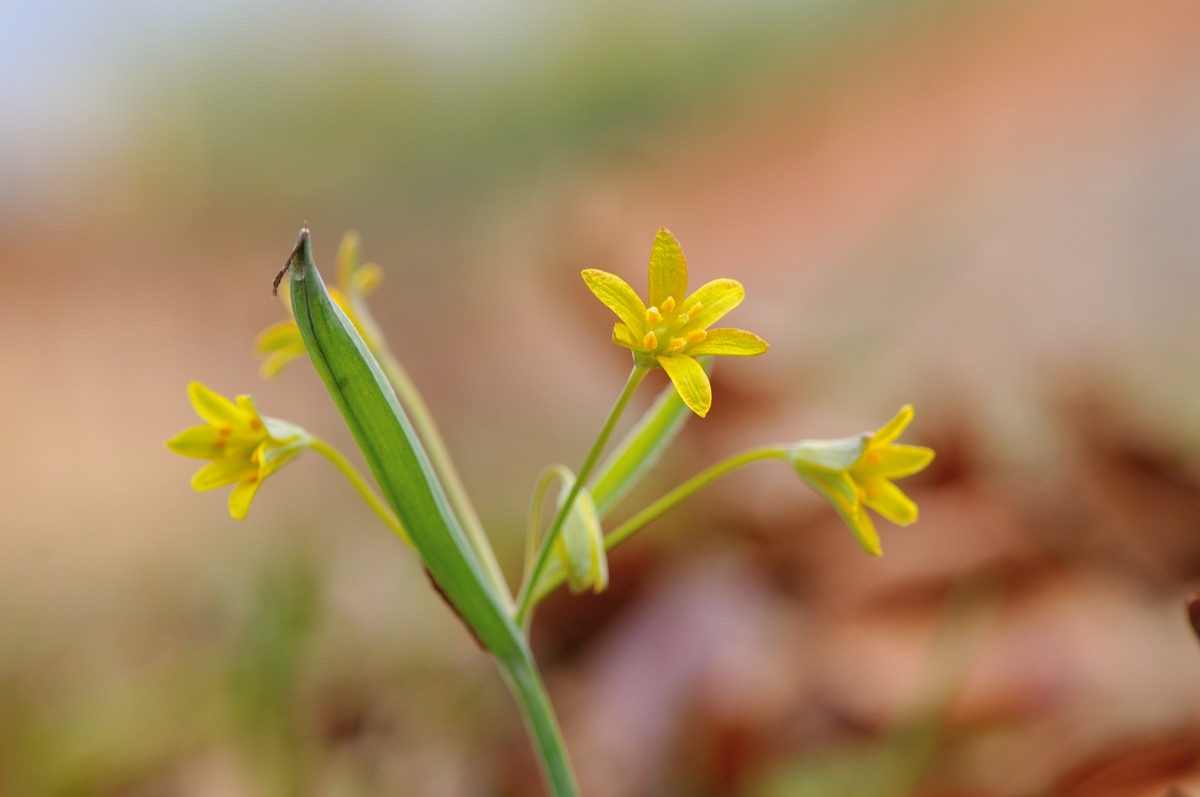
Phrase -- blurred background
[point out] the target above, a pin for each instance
(988, 209)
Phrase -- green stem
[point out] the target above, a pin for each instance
(443, 465)
(671, 499)
(526, 598)
(526, 684)
(360, 484)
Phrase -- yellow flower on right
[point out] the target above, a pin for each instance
(857, 472)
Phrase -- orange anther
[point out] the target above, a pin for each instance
(696, 336)
(668, 305)
(678, 344)
(650, 342)
(653, 317)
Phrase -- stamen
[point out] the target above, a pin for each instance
(255, 424)
(668, 305)
(650, 341)
(653, 317)
(696, 336)
(678, 345)
(695, 309)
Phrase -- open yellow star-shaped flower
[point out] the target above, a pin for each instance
(673, 330)
(243, 446)
(281, 343)
(857, 472)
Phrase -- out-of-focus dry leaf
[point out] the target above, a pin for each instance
(1193, 610)
(1144, 768)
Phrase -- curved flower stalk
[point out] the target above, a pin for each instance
(243, 447)
(856, 473)
(674, 330)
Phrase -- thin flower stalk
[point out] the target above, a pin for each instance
(525, 599)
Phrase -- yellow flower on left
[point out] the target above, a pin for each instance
(243, 446)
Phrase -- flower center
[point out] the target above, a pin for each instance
(666, 335)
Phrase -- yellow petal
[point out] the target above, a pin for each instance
(843, 493)
(250, 416)
(270, 367)
(892, 429)
(617, 296)
(347, 258)
(668, 269)
(715, 298)
(897, 461)
(690, 381)
(212, 406)
(225, 470)
(737, 342)
(622, 336)
(837, 487)
(240, 498)
(890, 501)
(863, 528)
(198, 441)
(280, 336)
(366, 279)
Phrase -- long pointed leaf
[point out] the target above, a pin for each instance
(395, 455)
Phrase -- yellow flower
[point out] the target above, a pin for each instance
(243, 446)
(857, 472)
(673, 330)
(281, 343)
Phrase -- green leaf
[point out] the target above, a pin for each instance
(642, 447)
(395, 455)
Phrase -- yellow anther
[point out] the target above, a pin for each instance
(678, 345)
(696, 336)
(653, 317)
(695, 309)
(650, 342)
(668, 305)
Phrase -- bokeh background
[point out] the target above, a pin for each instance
(988, 209)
